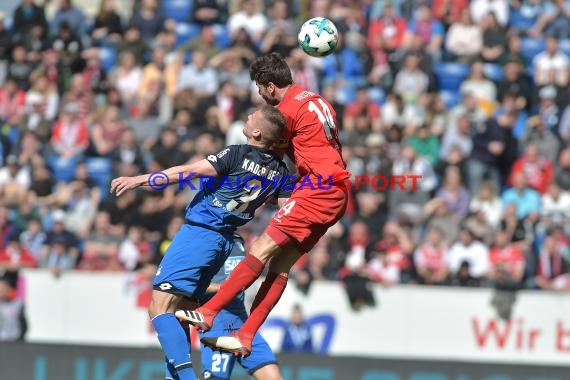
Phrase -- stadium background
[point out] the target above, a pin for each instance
(465, 278)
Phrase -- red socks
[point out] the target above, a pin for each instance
(273, 287)
(241, 278)
(263, 289)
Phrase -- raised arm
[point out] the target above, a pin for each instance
(202, 168)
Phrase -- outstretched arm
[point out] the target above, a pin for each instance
(202, 168)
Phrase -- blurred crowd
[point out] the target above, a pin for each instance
(471, 95)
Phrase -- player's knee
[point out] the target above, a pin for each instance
(269, 372)
(264, 248)
(161, 303)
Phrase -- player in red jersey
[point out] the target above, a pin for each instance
(311, 141)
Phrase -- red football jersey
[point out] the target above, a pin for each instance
(311, 136)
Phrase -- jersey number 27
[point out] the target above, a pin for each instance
(325, 117)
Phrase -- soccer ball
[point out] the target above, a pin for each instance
(318, 37)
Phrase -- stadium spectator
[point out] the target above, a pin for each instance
(198, 76)
(127, 77)
(386, 32)
(107, 26)
(494, 39)
(552, 262)
(58, 258)
(71, 15)
(458, 137)
(468, 254)
(488, 148)
(411, 82)
(33, 238)
(551, 66)
(13, 258)
(453, 193)
(101, 247)
(428, 29)
(208, 12)
(148, 19)
(250, 19)
(487, 201)
(26, 16)
(464, 39)
(554, 21)
(14, 324)
(425, 144)
(562, 174)
(481, 8)
(538, 169)
(484, 90)
(298, 335)
(430, 259)
(12, 100)
(507, 262)
(134, 43)
(555, 205)
(525, 199)
(281, 33)
(535, 133)
(205, 42)
(70, 136)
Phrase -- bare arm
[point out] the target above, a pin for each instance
(213, 288)
(202, 168)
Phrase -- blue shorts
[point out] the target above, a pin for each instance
(195, 255)
(219, 365)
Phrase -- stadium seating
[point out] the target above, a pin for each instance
(108, 57)
(63, 169)
(223, 39)
(99, 169)
(518, 21)
(450, 98)
(564, 46)
(493, 72)
(178, 10)
(186, 32)
(449, 75)
(530, 47)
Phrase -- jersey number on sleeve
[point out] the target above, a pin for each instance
(325, 116)
(253, 189)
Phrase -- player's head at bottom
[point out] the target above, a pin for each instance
(264, 127)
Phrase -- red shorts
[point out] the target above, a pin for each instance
(307, 215)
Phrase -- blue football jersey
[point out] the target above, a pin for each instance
(247, 177)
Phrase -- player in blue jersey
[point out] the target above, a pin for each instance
(261, 364)
(203, 243)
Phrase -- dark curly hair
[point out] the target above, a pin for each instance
(271, 68)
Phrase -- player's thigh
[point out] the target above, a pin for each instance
(306, 216)
(191, 260)
(216, 365)
(268, 372)
(162, 302)
(262, 361)
(282, 263)
(264, 248)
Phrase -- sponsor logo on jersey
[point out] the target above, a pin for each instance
(212, 158)
(165, 286)
(231, 263)
(223, 152)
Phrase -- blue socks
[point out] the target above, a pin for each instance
(175, 345)
(170, 372)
